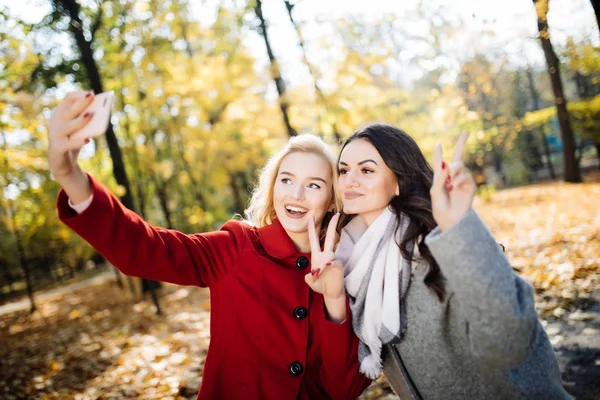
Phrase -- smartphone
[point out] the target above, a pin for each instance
(97, 126)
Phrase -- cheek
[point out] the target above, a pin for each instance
(278, 191)
(382, 189)
(320, 201)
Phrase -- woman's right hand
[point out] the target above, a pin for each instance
(326, 276)
(67, 118)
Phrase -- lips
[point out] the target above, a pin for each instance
(295, 211)
(351, 195)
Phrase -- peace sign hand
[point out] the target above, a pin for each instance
(453, 188)
(327, 274)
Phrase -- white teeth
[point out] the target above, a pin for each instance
(295, 209)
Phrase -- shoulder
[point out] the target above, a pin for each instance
(242, 232)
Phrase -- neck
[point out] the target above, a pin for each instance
(301, 241)
(371, 216)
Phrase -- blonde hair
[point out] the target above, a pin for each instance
(261, 211)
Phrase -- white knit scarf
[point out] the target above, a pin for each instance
(376, 280)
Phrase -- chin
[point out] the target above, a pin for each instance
(295, 226)
(348, 210)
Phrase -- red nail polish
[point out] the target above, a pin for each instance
(87, 114)
(449, 188)
(86, 141)
(448, 179)
(315, 271)
(87, 96)
(328, 264)
(443, 165)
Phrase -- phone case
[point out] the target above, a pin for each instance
(101, 107)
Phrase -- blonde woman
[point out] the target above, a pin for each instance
(277, 331)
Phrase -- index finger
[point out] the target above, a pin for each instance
(330, 235)
(460, 147)
(437, 158)
(313, 239)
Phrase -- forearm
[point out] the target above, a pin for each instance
(496, 304)
(139, 249)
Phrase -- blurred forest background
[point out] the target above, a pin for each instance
(206, 90)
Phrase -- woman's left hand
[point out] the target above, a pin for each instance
(453, 186)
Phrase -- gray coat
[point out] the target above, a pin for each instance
(485, 340)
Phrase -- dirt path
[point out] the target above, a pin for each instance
(575, 336)
(49, 294)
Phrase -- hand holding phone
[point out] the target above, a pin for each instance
(100, 108)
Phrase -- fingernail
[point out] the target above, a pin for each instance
(328, 264)
(443, 165)
(87, 96)
(86, 141)
(450, 188)
(87, 115)
(448, 179)
(315, 271)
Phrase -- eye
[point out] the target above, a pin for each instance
(367, 171)
(314, 186)
(286, 181)
(342, 171)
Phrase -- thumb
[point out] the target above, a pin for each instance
(310, 280)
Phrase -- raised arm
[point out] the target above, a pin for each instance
(495, 305)
(121, 236)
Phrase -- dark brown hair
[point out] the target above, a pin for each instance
(414, 174)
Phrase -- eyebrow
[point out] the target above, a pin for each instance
(362, 162)
(312, 178)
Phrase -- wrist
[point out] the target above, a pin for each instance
(77, 186)
(67, 177)
(340, 297)
(335, 308)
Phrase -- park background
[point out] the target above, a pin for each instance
(206, 90)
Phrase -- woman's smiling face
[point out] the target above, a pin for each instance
(303, 189)
(366, 182)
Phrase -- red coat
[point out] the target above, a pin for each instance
(270, 338)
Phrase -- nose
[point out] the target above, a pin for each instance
(350, 179)
(298, 192)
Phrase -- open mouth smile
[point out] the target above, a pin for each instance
(295, 212)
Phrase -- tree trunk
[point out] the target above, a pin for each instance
(87, 57)
(161, 192)
(118, 278)
(238, 203)
(8, 278)
(596, 6)
(572, 173)
(320, 96)
(17, 234)
(537, 104)
(275, 71)
(22, 260)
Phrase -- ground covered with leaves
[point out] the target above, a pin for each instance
(98, 343)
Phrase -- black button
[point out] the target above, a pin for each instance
(296, 368)
(302, 262)
(300, 312)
